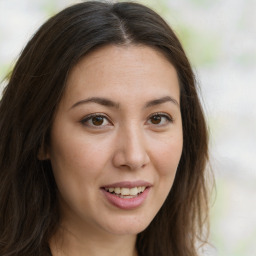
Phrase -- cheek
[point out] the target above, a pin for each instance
(167, 156)
(77, 164)
(76, 168)
(77, 152)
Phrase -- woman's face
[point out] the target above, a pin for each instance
(116, 140)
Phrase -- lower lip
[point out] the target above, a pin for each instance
(126, 203)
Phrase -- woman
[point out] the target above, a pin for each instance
(103, 140)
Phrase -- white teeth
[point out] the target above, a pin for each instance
(141, 189)
(126, 191)
(125, 196)
(117, 190)
(111, 190)
(133, 191)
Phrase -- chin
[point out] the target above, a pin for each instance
(130, 226)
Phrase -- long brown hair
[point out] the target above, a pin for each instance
(29, 214)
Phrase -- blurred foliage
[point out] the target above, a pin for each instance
(49, 7)
(161, 6)
(5, 70)
(202, 49)
(203, 3)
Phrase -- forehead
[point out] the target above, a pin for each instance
(122, 70)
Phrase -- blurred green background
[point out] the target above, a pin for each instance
(220, 39)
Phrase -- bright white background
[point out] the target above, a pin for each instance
(220, 39)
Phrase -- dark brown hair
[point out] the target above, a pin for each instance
(28, 206)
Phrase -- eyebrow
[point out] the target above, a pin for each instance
(161, 101)
(98, 100)
(110, 103)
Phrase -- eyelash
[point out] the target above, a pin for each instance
(85, 120)
(162, 115)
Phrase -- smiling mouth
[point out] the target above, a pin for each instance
(126, 192)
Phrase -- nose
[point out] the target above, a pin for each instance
(131, 151)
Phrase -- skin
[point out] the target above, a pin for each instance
(126, 144)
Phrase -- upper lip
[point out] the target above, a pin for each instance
(128, 184)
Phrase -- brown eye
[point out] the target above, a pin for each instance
(160, 119)
(156, 119)
(97, 120)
